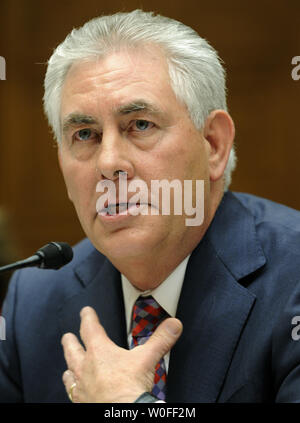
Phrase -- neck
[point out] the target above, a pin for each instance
(149, 271)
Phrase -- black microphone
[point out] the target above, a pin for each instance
(52, 256)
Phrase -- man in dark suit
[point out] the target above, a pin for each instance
(144, 96)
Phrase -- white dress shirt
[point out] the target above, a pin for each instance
(166, 294)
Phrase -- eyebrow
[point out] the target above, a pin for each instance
(77, 119)
(137, 106)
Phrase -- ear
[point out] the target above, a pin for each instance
(60, 162)
(219, 132)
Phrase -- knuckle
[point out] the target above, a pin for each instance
(78, 374)
(76, 396)
(162, 339)
(65, 376)
(77, 371)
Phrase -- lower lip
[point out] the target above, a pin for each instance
(131, 211)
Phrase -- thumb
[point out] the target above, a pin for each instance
(163, 339)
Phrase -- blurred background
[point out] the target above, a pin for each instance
(257, 41)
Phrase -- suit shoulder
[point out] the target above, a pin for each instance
(81, 250)
(270, 213)
(37, 285)
(277, 229)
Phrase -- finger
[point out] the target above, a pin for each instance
(70, 383)
(91, 330)
(73, 351)
(68, 379)
(162, 340)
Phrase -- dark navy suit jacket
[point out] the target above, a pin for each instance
(240, 293)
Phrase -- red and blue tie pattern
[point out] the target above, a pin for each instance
(147, 315)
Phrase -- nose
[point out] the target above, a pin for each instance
(113, 157)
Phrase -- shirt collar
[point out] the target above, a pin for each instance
(166, 294)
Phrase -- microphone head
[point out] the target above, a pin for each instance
(55, 255)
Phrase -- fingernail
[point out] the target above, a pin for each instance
(83, 311)
(173, 327)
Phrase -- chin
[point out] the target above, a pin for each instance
(120, 246)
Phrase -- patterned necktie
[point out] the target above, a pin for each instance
(147, 315)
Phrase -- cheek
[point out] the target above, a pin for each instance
(81, 186)
(184, 154)
(197, 159)
(185, 163)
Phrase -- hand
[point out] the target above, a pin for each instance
(104, 372)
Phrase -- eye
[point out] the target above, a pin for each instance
(142, 125)
(85, 134)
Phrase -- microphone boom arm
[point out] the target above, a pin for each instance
(52, 256)
(29, 262)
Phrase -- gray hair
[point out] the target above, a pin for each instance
(196, 73)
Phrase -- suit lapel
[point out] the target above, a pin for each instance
(213, 306)
(102, 290)
(213, 309)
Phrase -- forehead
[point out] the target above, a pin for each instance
(119, 78)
